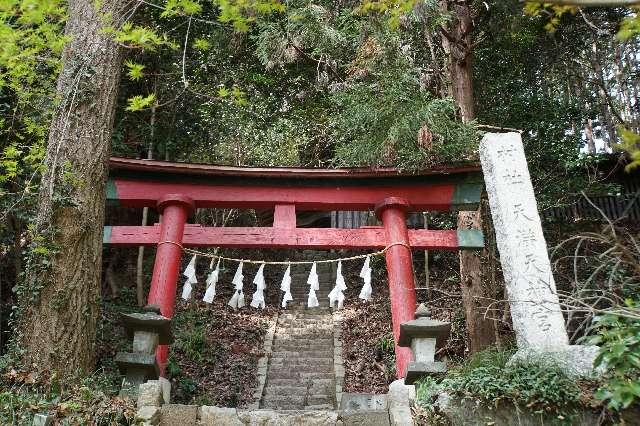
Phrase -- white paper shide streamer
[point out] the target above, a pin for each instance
(190, 273)
(258, 295)
(365, 274)
(212, 280)
(237, 300)
(314, 285)
(337, 295)
(286, 287)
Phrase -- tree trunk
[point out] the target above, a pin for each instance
(59, 322)
(145, 214)
(457, 43)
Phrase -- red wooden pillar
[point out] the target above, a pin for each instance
(175, 209)
(402, 291)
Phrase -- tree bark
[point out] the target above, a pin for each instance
(58, 326)
(145, 214)
(458, 44)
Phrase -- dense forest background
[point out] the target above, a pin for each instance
(295, 83)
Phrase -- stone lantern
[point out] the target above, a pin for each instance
(148, 330)
(422, 335)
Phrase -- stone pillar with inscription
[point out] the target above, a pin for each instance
(535, 306)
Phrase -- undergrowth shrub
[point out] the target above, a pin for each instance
(539, 386)
(619, 339)
(78, 400)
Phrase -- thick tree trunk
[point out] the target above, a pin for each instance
(457, 43)
(59, 322)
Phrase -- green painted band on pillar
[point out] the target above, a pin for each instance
(106, 235)
(112, 193)
(470, 239)
(466, 196)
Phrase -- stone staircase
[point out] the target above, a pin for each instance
(300, 371)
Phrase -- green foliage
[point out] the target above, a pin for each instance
(619, 340)
(380, 119)
(241, 13)
(140, 37)
(629, 142)
(393, 9)
(386, 344)
(181, 7)
(134, 70)
(553, 12)
(94, 397)
(537, 385)
(140, 102)
(630, 26)
(201, 44)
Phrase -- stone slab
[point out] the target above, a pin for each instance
(146, 362)
(150, 322)
(179, 415)
(423, 328)
(42, 420)
(400, 396)
(365, 418)
(288, 418)
(416, 370)
(166, 389)
(150, 394)
(219, 416)
(148, 415)
(363, 401)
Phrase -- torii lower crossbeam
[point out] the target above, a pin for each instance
(305, 238)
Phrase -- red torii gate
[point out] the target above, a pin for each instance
(177, 189)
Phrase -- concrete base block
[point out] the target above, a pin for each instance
(365, 418)
(42, 420)
(218, 416)
(179, 415)
(148, 415)
(166, 389)
(150, 394)
(400, 403)
(364, 409)
(576, 360)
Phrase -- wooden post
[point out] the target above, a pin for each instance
(175, 209)
(392, 212)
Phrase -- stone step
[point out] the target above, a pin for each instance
(293, 401)
(276, 362)
(305, 317)
(304, 331)
(296, 381)
(305, 340)
(284, 370)
(301, 376)
(301, 352)
(325, 416)
(320, 407)
(299, 390)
